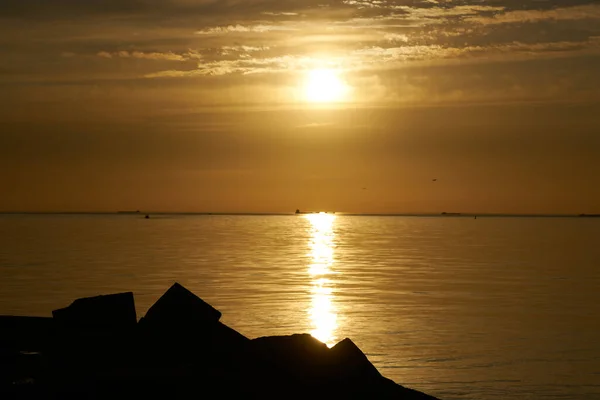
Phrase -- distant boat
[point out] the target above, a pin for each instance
(314, 212)
(590, 215)
(129, 212)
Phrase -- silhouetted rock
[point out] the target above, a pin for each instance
(300, 355)
(280, 349)
(181, 350)
(350, 362)
(306, 357)
(111, 311)
(25, 333)
(313, 371)
(182, 328)
(179, 308)
(91, 336)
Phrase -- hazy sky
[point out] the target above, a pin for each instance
(202, 105)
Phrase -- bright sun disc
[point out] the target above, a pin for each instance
(324, 86)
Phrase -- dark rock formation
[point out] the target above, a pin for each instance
(181, 328)
(25, 333)
(180, 349)
(112, 311)
(350, 362)
(179, 308)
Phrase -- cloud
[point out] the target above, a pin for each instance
(243, 49)
(227, 41)
(287, 14)
(377, 58)
(104, 54)
(261, 28)
(169, 74)
(244, 66)
(589, 11)
(168, 56)
(365, 3)
(443, 13)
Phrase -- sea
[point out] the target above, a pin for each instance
(461, 308)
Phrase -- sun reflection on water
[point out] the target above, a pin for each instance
(322, 312)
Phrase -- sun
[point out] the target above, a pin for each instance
(324, 86)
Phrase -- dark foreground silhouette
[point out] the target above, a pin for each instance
(96, 349)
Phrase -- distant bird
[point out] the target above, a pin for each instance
(364, 189)
(434, 180)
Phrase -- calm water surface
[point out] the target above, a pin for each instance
(493, 308)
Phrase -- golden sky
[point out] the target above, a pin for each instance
(272, 105)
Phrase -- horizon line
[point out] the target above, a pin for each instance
(224, 213)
